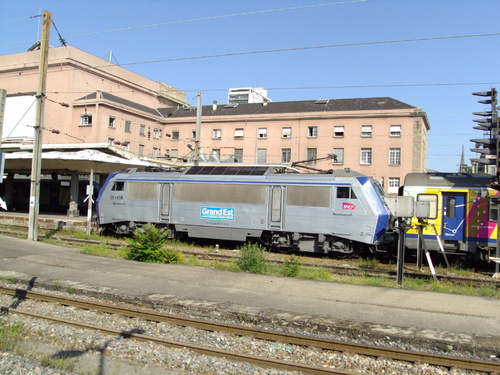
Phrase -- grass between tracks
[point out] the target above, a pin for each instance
(152, 245)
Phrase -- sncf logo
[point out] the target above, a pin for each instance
(348, 206)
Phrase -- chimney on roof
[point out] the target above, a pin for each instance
(214, 105)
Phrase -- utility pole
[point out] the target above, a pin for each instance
(198, 130)
(36, 165)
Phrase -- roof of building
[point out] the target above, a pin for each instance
(322, 105)
(102, 95)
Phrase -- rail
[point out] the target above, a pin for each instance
(367, 350)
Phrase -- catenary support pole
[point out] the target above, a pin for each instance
(198, 130)
(36, 165)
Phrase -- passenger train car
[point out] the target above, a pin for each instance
(462, 214)
(343, 212)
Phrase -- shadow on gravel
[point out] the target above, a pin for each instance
(20, 295)
(67, 354)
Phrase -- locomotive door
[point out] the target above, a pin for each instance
(165, 202)
(453, 217)
(276, 207)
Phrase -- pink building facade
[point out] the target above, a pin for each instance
(380, 137)
(90, 100)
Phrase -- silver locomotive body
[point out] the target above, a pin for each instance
(339, 212)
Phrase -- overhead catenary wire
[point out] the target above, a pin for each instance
(194, 19)
(313, 47)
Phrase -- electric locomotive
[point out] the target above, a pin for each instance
(463, 217)
(342, 212)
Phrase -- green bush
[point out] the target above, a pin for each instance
(147, 246)
(291, 267)
(253, 258)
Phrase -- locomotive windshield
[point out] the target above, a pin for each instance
(378, 188)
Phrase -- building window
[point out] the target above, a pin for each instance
(111, 141)
(175, 135)
(126, 146)
(287, 133)
(338, 131)
(141, 150)
(395, 130)
(155, 151)
(156, 133)
(216, 134)
(394, 184)
(142, 130)
(366, 131)
(128, 126)
(238, 155)
(261, 155)
(262, 133)
(286, 155)
(312, 154)
(239, 133)
(339, 156)
(112, 121)
(395, 156)
(86, 120)
(312, 131)
(366, 156)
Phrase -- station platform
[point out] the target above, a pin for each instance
(45, 221)
(394, 313)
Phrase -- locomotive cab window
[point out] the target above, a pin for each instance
(118, 186)
(432, 199)
(345, 193)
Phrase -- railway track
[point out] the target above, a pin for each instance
(306, 341)
(336, 269)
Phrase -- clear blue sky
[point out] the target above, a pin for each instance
(437, 75)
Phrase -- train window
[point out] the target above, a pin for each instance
(118, 186)
(309, 196)
(276, 204)
(165, 199)
(142, 191)
(432, 199)
(451, 204)
(222, 193)
(345, 193)
(493, 209)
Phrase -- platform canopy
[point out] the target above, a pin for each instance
(65, 161)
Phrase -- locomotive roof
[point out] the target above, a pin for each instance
(242, 170)
(456, 180)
